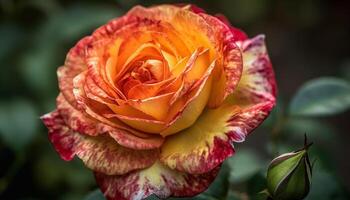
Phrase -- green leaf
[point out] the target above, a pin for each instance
(321, 97)
(244, 165)
(95, 195)
(18, 123)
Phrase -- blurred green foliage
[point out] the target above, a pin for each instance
(307, 39)
(320, 97)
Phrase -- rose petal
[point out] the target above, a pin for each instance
(203, 146)
(93, 72)
(190, 28)
(193, 71)
(258, 80)
(186, 110)
(75, 119)
(111, 64)
(143, 91)
(147, 50)
(99, 153)
(157, 179)
(104, 155)
(228, 70)
(122, 133)
(157, 106)
(94, 92)
(208, 141)
(74, 65)
(60, 135)
(127, 111)
(195, 31)
(201, 30)
(148, 126)
(125, 136)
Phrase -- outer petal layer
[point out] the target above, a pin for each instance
(258, 80)
(157, 179)
(99, 153)
(73, 66)
(80, 122)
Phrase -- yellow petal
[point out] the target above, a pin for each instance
(148, 126)
(192, 110)
(111, 65)
(195, 149)
(157, 106)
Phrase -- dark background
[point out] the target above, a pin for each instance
(306, 39)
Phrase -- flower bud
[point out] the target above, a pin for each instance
(289, 176)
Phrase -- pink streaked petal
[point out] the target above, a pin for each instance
(73, 66)
(258, 82)
(230, 66)
(62, 138)
(247, 120)
(100, 153)
(104, 155)
(256, 92)
(76, 119)
(157, 179)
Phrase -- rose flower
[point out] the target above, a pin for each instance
(153, 101)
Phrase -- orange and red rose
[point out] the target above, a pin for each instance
(152, 101)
